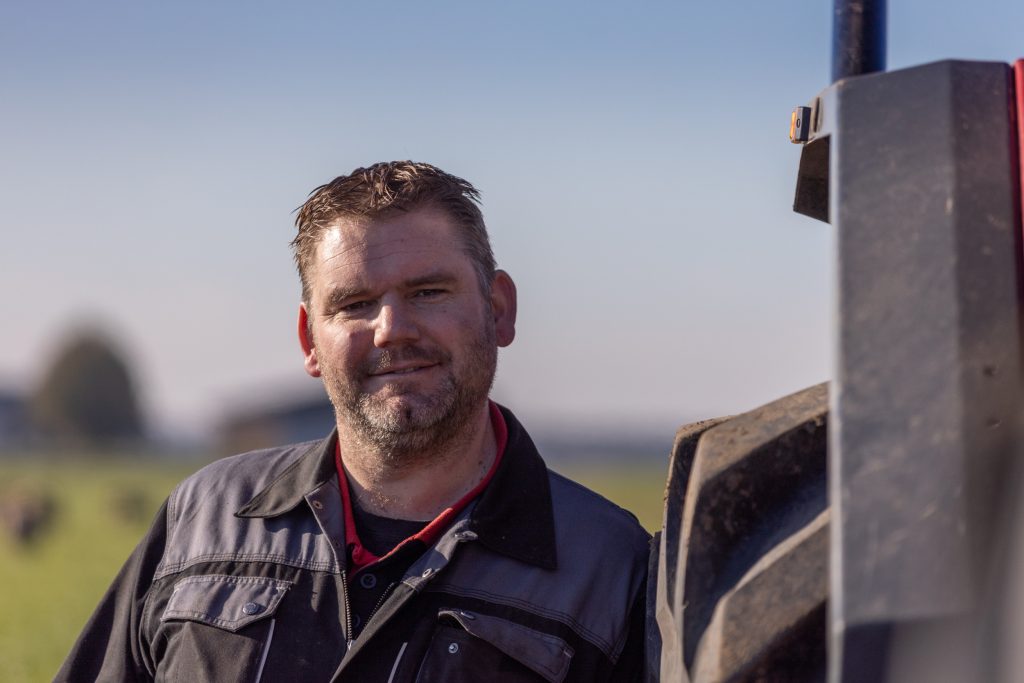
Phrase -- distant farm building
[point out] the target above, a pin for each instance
(14, 425)
(300, 419)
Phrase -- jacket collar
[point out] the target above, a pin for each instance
(310, 471)
(513, 516)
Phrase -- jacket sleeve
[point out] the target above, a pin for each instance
(111, 647)
(630, 665)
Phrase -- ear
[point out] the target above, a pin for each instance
(306, 342)
(503, 305)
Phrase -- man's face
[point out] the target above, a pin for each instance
(402, 335)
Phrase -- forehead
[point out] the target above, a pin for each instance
(390, 245)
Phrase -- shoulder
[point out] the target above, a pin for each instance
(587, 523)
(204, 523)
(233, 481)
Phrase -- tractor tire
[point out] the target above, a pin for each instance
(741, 580)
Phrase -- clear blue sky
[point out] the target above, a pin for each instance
(633, 161)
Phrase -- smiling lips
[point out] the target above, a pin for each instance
(401, 371)
(404, 361)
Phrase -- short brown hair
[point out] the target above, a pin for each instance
(393, 186)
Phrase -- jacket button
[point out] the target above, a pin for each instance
(453, 648)
(251, 608)
(427, 572)
(367, 581)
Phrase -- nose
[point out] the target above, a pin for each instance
(394, 324)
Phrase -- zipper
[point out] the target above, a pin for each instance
(348, 607)
(348, 610)
(380, 602)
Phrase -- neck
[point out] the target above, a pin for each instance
(419, 486)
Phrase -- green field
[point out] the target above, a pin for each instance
(103, 507)
(640, 490)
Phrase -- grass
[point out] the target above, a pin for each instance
(51, 586)
(640, 489)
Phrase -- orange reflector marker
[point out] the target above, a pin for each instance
(800, 125)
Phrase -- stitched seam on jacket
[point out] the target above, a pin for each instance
(142, 634)
(621, 642)
(564, 647)
(567, 619)
(177, 567)
(207, 617)
(204, 617)
(169, 522)
(234, 580)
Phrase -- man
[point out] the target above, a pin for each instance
(424, 540)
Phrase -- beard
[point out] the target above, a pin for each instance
(402, 422)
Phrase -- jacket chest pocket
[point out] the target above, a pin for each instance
(219, 628)
(468, 646)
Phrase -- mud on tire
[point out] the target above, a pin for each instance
(742, 566)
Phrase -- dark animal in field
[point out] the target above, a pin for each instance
(130, 505)
(26, 515)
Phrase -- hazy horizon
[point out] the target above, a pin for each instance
(636, 180)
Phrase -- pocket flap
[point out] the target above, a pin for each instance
(543, 653)
(227, 602)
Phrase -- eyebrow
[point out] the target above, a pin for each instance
(338, 296)
(435, 277)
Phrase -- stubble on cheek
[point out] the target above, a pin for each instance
(399, 415)
(405, 422)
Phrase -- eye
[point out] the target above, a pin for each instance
(355, 306)
(428, 293)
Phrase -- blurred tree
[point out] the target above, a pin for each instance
(87, 395)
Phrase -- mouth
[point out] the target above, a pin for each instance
(402, 370)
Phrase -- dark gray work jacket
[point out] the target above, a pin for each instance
(242, 578)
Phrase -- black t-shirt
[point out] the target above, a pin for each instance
(370, 586)
(379, 534)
